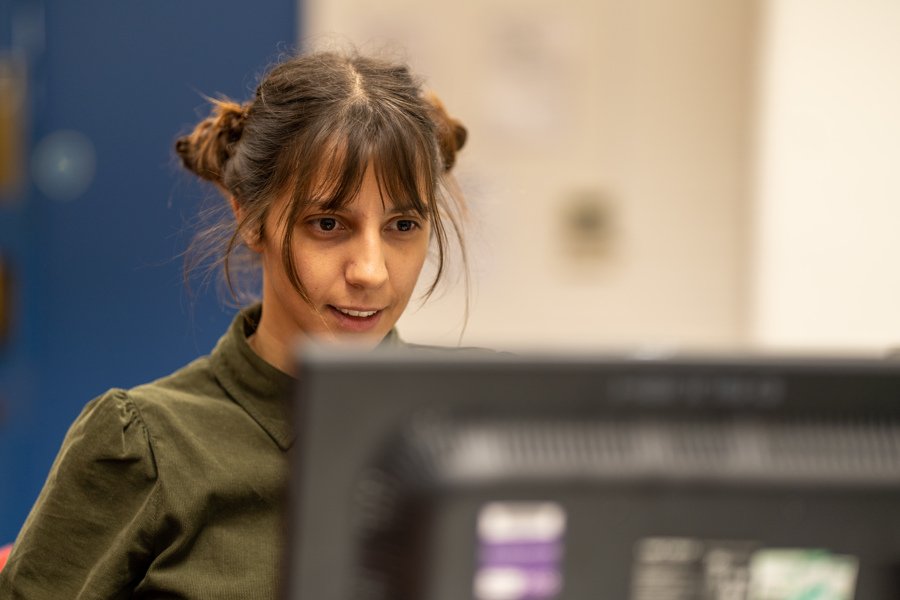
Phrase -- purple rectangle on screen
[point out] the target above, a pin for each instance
(520, 551)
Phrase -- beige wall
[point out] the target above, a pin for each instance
(828, 197)
(641, 109)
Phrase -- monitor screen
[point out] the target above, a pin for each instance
(438, 476)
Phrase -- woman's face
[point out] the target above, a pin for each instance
(359, 267)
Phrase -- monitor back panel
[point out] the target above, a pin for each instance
(499, 478)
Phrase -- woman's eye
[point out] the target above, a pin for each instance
(406, 225)
(326, 223)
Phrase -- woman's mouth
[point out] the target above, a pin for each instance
(356, 319)
(356, 313)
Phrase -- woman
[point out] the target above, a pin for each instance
(334, 173)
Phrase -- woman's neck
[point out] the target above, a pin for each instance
(271, 348)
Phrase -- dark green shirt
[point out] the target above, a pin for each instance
(172, 489)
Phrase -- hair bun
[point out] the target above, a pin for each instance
(206, 150)
(451, 134)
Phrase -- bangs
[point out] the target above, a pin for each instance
(404, 163)
(406, 169)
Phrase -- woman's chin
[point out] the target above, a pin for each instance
(346, 341)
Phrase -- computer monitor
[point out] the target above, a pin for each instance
(430, 475)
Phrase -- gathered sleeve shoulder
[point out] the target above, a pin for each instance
(90, 533)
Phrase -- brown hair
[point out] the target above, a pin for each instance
(315, 124)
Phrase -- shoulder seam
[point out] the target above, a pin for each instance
(155, 495)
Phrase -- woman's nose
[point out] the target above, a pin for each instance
(366, 267)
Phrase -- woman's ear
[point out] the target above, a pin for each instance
(250, 240)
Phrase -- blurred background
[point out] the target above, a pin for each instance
(642, 175)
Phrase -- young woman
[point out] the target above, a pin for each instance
(335, 175)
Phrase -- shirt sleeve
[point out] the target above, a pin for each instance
(90, 533)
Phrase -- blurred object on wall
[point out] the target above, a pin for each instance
(532, 82)
(63, 165)
(587, 227)
(13, 87)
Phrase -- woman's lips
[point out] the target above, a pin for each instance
(357, 320)
(360, 312)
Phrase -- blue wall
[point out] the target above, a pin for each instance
(100, 300)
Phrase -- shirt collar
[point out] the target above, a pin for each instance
(259, 388)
